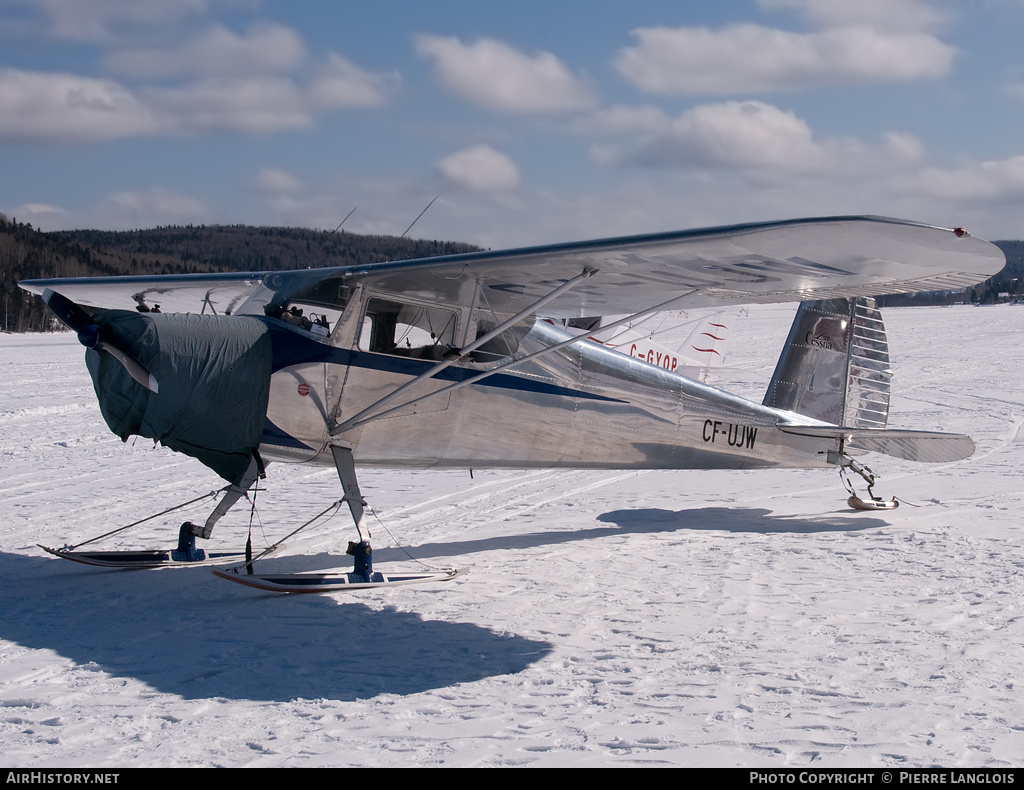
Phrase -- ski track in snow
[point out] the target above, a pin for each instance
(609, 618)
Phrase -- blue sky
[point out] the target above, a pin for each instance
(534, 121)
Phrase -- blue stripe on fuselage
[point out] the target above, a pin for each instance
(274, 435)
(291, 347)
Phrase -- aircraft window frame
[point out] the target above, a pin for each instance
(318, 310)
(401, 328)
(500, 349)
(497, 349)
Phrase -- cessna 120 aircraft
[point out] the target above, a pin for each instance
(485, 360)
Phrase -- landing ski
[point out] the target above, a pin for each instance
(874, 503)
(329, 581)
(144, 558)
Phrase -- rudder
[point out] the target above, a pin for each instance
(835, 365)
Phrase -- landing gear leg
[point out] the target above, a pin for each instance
(187, 551)
(361, 551)
(363, 577)
(872, 502)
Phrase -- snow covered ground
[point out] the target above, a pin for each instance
(619, 619)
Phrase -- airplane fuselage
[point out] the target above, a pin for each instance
(582, 406)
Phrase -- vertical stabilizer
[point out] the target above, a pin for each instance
(835, 365)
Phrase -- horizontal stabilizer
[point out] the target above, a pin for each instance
(923, 446)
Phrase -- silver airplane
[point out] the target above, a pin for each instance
(477, 361)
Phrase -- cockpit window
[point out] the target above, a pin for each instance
(407, 330)
(497, 348)
(316, 309)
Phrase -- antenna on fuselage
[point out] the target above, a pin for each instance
(395, 243)
(323, 244)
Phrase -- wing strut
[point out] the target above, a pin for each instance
(360, 419)
(453, 356)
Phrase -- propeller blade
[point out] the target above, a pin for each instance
(135, 368)
(74, 317)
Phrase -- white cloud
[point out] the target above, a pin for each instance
(146, 208)
(275, 181)
(746, 134)
(51, 106)
(257, 106)
(878, 14)
(757, 139)
(493, 75)
(341, 84)
(40, 106)
(903, 147)
(218, 52)
(40, 215)
(623, 119)
(269, 104)
(101, 20)
(40, 208)
(257, 82)
(480, 168)
(752, 58)
(1001, 180)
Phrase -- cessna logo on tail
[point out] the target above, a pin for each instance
(819, 341)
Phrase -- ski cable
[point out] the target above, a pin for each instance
(403, 549)
(248, 538)
(144, 520)
(248, 562)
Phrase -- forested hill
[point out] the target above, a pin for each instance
(28, 254)
(240, 248)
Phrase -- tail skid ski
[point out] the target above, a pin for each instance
(872, 503)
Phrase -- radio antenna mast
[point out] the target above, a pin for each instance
(395, 242)
(323, 244)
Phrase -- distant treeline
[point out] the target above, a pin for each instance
(29, 254)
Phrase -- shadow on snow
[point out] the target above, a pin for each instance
(727, 519)
(185, 632)
(634, 521)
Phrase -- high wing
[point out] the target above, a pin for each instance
(210, 294)
(795, 260)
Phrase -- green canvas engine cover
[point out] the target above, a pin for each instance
(213, 374)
